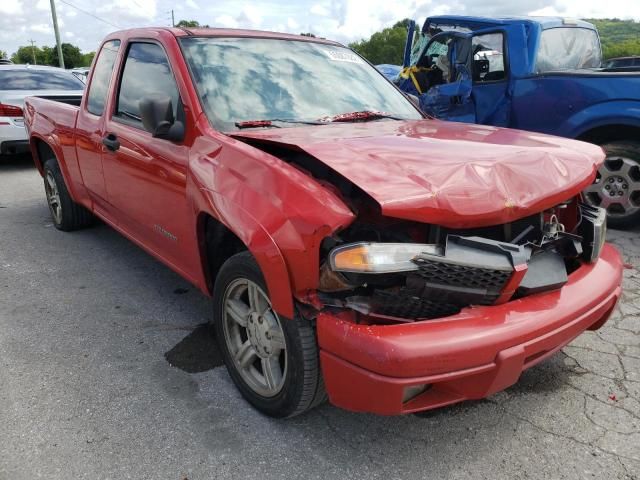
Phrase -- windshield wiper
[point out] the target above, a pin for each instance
(362, 116)
(272, 123)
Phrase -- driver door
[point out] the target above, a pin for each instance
(442, 76)
(146, 176)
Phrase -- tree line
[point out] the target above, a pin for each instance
(73, 57)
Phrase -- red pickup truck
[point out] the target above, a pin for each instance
(353, 248)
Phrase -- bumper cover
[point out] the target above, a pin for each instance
(11, 147)
(471, 355)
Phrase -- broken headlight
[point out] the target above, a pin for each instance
(364, 257)
(593, 229)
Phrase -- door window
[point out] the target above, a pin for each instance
(102, 70)
(146, 73)
(488, 57)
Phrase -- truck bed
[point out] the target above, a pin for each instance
(44, 114)
(54, 117)
(68, 99)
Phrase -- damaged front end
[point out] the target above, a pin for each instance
(408, 272)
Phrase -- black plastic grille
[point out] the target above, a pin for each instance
(404, 305)
(462, 275)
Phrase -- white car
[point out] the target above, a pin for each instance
(81, 73)
(20, 81)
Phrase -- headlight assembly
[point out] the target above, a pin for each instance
(364, 257)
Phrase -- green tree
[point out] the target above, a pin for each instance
(25, 54)
(386, 46)
(87, 58)
(620, 38)
(3, 54)
(71, 54)
(190, 24)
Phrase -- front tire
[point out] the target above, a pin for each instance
(272, 360)
(66, 214)
(617, 185)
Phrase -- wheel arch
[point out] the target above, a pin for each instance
(603, 134)
(41, 151)
(218, 241)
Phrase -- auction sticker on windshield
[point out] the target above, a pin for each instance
(343, 56)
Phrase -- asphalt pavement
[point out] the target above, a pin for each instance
(108, 372)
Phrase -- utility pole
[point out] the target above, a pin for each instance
(33, 51)
(57, 32)
(173, 20)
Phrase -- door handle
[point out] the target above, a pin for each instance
(111, 142)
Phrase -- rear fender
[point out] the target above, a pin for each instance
(56, 148)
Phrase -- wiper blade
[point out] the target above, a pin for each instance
(360, 116)
(272, 123)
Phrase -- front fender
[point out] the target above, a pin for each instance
(619, 112)
(261, 245)
(279, 212)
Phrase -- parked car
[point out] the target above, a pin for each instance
(5, 61)
(20, 81)
(541, 74)
(630, 63)
(351, 246)
(81, 73)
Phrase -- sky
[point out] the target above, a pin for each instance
(86, 22)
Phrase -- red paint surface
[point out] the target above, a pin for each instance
(467, 356)
(430, 171)
(446, 173)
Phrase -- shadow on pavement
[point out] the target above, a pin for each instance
(197, 352)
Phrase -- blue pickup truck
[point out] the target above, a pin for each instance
(540, 74)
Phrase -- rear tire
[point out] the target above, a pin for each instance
(617, 185)
(66, 214)
(272, 360)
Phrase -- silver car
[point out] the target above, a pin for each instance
(20, 81)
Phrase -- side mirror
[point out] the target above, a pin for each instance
(481, 66)
(156, 113)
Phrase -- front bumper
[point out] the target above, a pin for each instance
(478, 352)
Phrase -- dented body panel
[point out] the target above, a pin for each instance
(474, 354)
(449, 174)
(290, 195)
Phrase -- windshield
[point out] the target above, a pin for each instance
(13, 79)
(568, 48)
(244, 79)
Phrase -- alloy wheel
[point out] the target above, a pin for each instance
(254, 337)
(617, 187)
(53, 197)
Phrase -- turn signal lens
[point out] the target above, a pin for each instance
(378, 257)
(10, 111)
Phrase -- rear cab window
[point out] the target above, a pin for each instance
(103, 69)
(146, 72)
(568, 48)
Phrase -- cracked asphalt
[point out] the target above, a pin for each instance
(90, 327)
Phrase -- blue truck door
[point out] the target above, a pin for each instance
(491, 86)
(450, 54)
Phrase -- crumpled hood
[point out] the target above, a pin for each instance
(445, 173)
